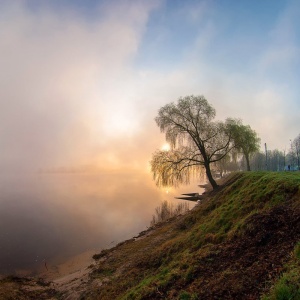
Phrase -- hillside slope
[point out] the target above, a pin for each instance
(234, 245)
(241, 242)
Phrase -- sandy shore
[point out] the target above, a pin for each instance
(74, 265)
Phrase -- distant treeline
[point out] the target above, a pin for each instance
(267, 160)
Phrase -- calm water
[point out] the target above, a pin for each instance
(50, 217)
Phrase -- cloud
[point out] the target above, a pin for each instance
(66, 81)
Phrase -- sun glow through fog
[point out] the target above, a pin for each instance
(165, 147)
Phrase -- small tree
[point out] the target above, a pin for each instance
(245, 139)
(196, 141)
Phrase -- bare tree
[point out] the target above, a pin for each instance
(196, 141)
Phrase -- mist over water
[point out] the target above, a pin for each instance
(50, 217)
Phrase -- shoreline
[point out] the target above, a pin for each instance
(75, 264)
(52, 271)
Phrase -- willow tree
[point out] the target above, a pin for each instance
(196, 141)
(246, 140)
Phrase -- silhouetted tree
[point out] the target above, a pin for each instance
(196, 141)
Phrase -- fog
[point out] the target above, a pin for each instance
(65, 92)
(76, 134)
(80, 86)
(50, 217)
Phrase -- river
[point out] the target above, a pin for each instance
(49, 217)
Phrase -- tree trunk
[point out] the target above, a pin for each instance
(248, 162)
(210, 177)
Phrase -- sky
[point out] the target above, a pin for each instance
(82, 81)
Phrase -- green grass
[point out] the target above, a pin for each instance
(222, 217)
(250, 194)
(297, 251)
(187, 296)
(172, 264)
(287, 287)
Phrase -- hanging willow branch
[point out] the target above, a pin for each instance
(175, 167)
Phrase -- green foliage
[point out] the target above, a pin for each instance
(187, 296)
(297, 251)
(287, 288)
(196, 141)
(288, 285)
(245, 139)
(189, 113)
(175, 167)
(186, 223)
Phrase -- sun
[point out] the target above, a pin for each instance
(165, 147)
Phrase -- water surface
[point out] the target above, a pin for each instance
(50, 217)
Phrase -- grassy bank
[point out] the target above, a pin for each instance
(241, 242)
(237, 244)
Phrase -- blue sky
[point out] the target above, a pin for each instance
(81, 78)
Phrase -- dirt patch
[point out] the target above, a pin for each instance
(239, 269)
(26, 288)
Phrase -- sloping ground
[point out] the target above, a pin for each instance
(16, 288)
(241, 242)
(235, 245)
